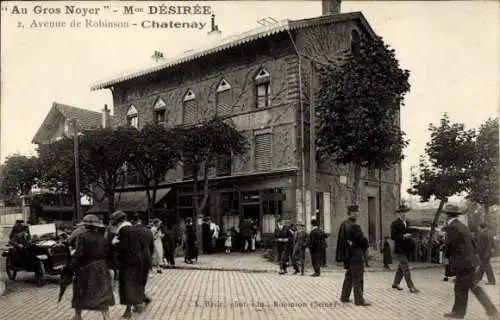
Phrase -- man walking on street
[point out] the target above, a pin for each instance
(403, 247)
(147, 248)
(299, 249)
(463, 260)
(356, 244)
(131, 274)
(316, 246)
(484, 250)
(283, 237)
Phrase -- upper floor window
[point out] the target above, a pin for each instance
(263, 89)
(160, 111)
(189, 108)
(355, 42)
(132, 117)
(223, 98)
(263, 151)
(223, 166)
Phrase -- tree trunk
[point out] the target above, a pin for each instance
(355, 184)
(151, 195)
(111, 206)
(206, 191)
(433, 229)
(196, 173)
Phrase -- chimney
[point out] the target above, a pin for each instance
(214, 29)
(330, 7)
(105, 117)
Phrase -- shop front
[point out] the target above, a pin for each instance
(263, 199)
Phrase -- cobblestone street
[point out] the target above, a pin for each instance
(203, 294)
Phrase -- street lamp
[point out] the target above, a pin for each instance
(77, 169)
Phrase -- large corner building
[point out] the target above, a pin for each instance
(262, 81)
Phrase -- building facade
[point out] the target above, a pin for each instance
(263, 82)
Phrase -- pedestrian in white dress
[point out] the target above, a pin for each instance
(157, 242)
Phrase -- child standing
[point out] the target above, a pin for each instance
(229, 242)
(386, 251)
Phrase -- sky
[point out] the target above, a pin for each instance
(451, 48)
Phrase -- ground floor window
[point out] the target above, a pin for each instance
(272, 208)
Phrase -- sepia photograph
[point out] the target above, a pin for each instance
(272, 159)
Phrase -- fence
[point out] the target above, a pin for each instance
(9, 215)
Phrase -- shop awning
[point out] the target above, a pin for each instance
(130, 201)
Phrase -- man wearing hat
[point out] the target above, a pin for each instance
(485, 245)
(356, 244)
(131, 286)
(463, 261)
(299, 249)
(283, 237)
(403, 247)
(316, 246)
(147, 247)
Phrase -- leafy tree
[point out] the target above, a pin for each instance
(444, 171)
(58, 168)
(202, 145)
(358, 107)
(20, 173)
(156, 150)
(483, 188)
(103, 155)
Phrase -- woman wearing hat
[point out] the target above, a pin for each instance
(92, 286)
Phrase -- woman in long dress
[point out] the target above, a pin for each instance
(157, 243)
(92, 287)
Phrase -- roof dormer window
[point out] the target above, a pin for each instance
(263, 89)
(160, 111)
(132, 117)
(223, 98)
(189, 108)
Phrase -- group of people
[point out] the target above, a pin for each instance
(291, 242)
(128, 248)
(462, 253)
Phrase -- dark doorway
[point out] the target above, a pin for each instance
(250, 211)
(372, 220)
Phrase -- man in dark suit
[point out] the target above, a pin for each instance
(356, 245)
(316, 246)
(147, 248)
(403, 248)
(484, 250)
(299, 249)
(463, 260)
(283, 237)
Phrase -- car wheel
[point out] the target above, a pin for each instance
(11, 272)
(40, 274)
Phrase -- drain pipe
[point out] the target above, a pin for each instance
(301, 130)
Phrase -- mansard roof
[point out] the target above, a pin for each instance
(238, 40)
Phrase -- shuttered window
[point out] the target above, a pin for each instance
(189, 112)
(263, 152)
(223, 167)
(224, 103)
(263, 95)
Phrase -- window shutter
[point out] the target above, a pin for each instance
(224, 103)
(189, 114)
(263, 151)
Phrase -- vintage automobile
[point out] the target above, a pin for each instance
(42, 254)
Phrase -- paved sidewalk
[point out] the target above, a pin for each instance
(255, 262)
(216, 295)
